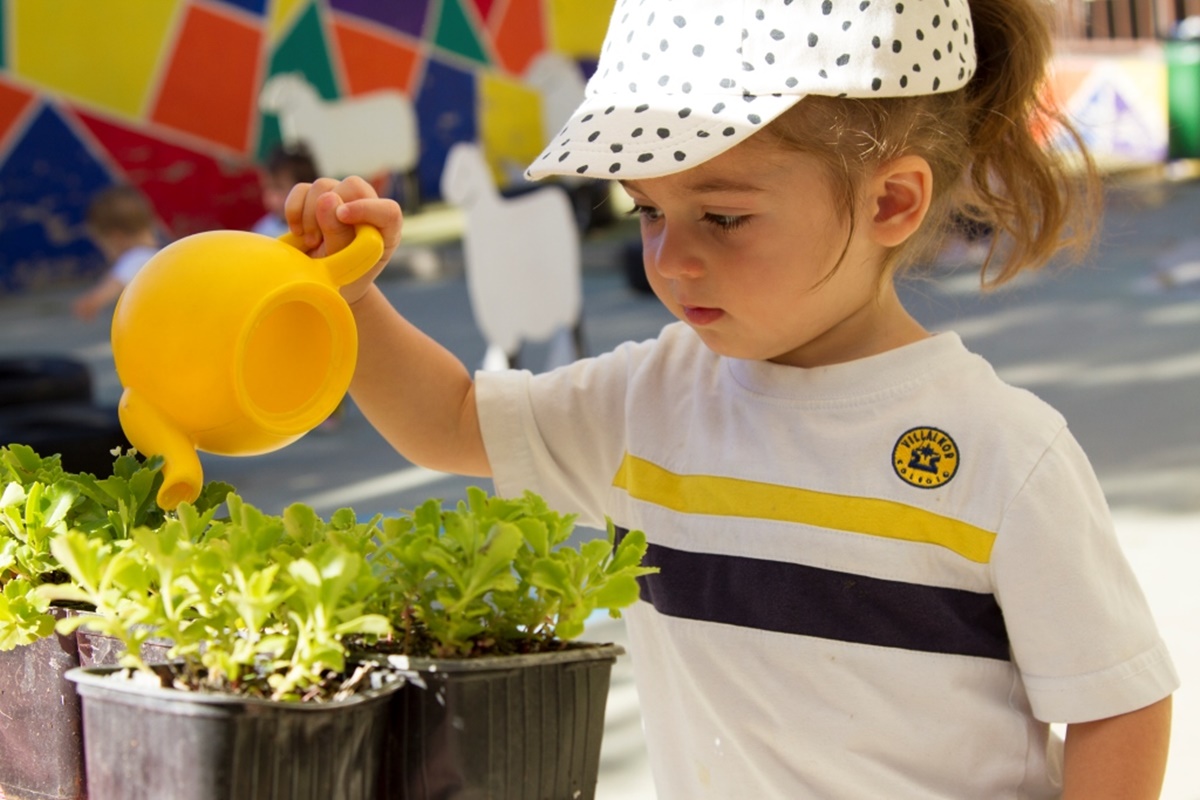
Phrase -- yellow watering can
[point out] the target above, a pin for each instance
(233, 343)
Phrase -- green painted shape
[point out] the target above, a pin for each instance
(303, 50)
(269, 137)
(456, 34)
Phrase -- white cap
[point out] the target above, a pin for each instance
(682, 81)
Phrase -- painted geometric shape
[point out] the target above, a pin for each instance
(373, 60)
(485, 9)
(305, 50)
(577, 29)
(256, 7)
(456, 33)
(61, 46)
(193, 191)
(510, 128)
(213, 68)
(446, 113)
(283, 12)
(407, 16)
(49, 178)
(521, 34)
(14, 101)
(1112, 125)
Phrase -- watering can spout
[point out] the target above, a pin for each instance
(152, 433)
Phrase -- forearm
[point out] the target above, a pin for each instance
(1120, 757)
(416, 393)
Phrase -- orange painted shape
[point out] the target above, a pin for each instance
(13, 102)
(521, 34)
(214, 68)
(372, 61)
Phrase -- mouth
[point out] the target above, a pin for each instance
(701, 316)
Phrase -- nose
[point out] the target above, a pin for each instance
(668, 250)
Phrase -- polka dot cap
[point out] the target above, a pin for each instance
(682, 81)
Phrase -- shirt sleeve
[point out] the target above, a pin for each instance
(560, 434)
(131, 262)
(1081, 631)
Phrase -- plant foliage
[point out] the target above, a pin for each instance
(276, 606)
(40, 502)
(496, 575)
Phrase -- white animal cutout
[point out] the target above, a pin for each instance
(364, 135)
(523, 260)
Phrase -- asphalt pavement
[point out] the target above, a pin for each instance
(1114, 344)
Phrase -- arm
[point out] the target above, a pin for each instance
(412, 390)
(1118, 757)
(106, 291)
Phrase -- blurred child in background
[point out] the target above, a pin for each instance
(122, 224)
(285, 167)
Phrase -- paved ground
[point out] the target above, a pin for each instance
(1114, 345)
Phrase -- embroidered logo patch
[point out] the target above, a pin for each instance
(925, 457)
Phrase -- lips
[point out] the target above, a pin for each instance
(698, 315)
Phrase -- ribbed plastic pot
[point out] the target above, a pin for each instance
(144, 742)
(41, 732)
(525, 727)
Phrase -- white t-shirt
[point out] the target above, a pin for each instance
(271, 225)
(130, 262)
(878, 579)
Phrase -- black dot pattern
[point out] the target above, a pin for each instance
(662, 97)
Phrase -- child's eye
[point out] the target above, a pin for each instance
(648, 213)
(726, 222)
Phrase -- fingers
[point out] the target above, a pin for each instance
(384, 214)
(323, 214)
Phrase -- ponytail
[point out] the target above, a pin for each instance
(987, 144)
(1038, 199)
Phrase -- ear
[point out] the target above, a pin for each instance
(901, 191)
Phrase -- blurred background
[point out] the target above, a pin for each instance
(189, 100)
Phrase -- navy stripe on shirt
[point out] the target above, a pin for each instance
(810, 601)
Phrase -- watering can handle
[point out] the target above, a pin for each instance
(353, 261)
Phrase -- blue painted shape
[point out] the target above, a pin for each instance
(446, 114)
(402, 15)
(45, 186)
(253, 6)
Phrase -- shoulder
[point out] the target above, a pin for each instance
(131, 261)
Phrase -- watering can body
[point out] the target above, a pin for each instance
(233, 343)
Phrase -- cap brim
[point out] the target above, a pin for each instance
(653, 136)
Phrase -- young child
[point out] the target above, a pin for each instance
(884, 572)
(122, 224)
(285, 167)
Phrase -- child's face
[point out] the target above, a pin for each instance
(742, 248)
(275, 188)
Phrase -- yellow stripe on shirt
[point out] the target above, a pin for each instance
(717, 496)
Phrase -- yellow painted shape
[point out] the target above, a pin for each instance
(105, 53)
(283, 15)
(577, 28)
(510, 128)
(718, 496)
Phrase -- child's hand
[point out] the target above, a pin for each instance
(323, 215)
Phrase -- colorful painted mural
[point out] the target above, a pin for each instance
(1118, 102)
(166, 95)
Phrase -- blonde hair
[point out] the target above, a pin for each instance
(985, 144)
(120, 209)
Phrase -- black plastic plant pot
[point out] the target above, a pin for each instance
(524, 727)
(40, 723)
(146, 742)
